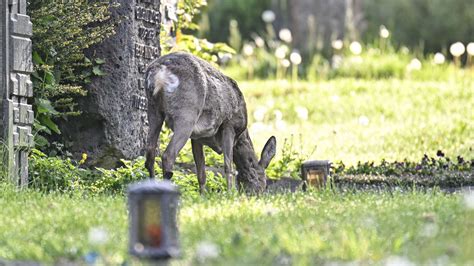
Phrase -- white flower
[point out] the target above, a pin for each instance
(281, 51)
(285, 35)
(258, 127)
(278, 115)
(98, 236)
(470, 48)
(429, 230)
(336, 61)
(404, 50)
(439, 58)
(384, 33)
(225, 57)
(468, 197)
(259, 41)
(208, 44)
(234, 23)
(356, 59)
(337, 44)
(259, 114)
(398, 261)
(270, 103)
(206, 250)
(335, 98)
(363, 120)
(457, 49)
(268, 16)
(285, 63)
(302, 112)
(295, 58)
(247, 49)
(415, 64)
(356, 48)
(280, 125)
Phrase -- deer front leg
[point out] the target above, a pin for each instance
(199, 161)
(181, 135)
(156, 122)
(227, 148)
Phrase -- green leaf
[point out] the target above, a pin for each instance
(49, 78)
(41, 141)
(46, 121)
(36, 76)
(222, 47)
(97, 71)
(44, 107)
(99, 61)
(37, 59)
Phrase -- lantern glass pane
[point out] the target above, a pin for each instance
(315, 177)
(150, 229)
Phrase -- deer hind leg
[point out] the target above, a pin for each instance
(156, 122)
(199, 160)
(181, 134)
(228, 136)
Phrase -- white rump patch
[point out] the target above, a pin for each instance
(165, 79)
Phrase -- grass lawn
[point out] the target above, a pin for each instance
(349, 120)
(353, 120)
(309, 228)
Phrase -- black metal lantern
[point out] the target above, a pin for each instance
(315, 173)
(153, 227)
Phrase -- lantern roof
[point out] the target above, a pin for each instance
(153, 186)
(316, 163)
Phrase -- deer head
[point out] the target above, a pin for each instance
(251, 175)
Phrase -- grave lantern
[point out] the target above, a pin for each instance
(153, 226)
(315, 173)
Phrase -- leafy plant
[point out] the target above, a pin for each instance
(185, 40)
(289, 164)
(61, 68)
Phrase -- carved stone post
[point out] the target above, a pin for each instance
(114, 120)
(15, 89)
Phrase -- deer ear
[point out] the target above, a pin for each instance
(268, 152)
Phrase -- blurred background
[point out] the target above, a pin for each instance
(349, 80)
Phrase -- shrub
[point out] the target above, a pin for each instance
(62, 31)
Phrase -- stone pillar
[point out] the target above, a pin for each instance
(16, 89)
(114, 121)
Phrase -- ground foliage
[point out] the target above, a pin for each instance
(428, 172)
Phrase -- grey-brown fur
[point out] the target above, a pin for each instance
(198, 102)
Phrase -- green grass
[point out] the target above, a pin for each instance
(309, 228)
(403, 118)
(350, 120)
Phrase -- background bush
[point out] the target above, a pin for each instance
(431, 24)
(220, 12)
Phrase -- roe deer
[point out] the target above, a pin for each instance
(199, 102)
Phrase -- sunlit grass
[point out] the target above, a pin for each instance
(349, 120)
(360, 120)
(306, 228)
